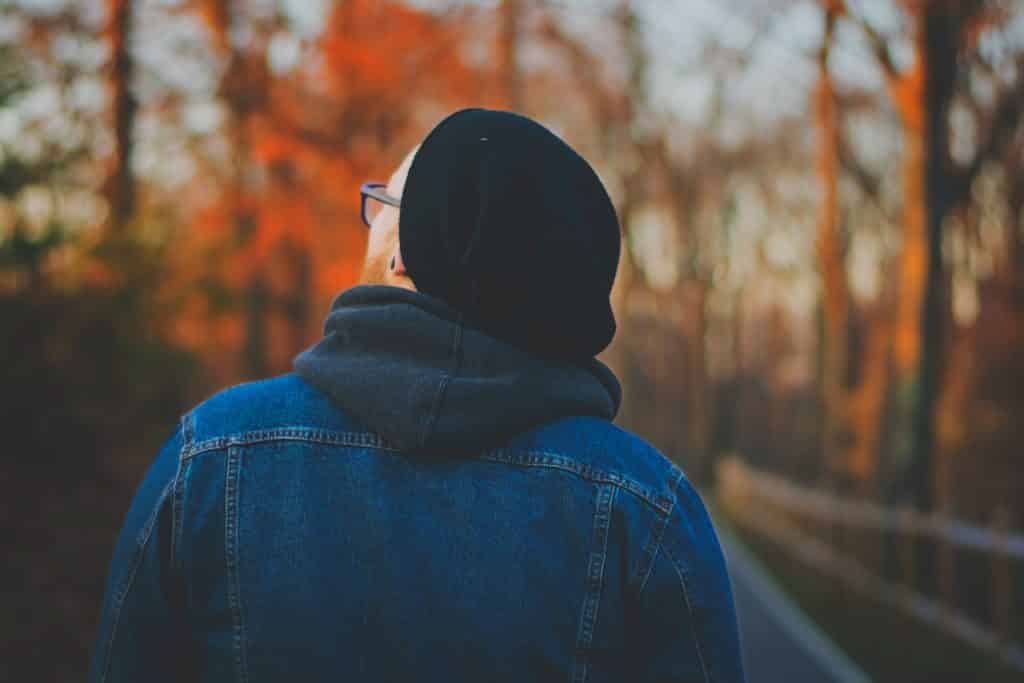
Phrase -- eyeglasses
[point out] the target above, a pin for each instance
(372, 199)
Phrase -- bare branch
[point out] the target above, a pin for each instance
(879, 45)
(606, 103)
(869, 183)
(1006, 117)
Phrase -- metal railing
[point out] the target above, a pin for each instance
(780, 510)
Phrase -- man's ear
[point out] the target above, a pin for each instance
(399, 264)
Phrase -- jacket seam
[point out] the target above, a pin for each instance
(188, 428)
(142, 540)
(231, 548)
(177, 492)
(534, 458)
(689, 610)
(178, 514)
(594, 580)
(525, 458)
(652, 551)
(321, 436)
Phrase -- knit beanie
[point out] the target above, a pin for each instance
(506, 223)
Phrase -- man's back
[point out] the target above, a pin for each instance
(438, 492)
(279, 540)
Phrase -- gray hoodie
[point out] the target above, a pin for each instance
(408, 367)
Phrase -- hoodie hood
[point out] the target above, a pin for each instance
(406, 365)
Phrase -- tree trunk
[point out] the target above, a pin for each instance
(835, 292)
(243, 91)
(256, 295)
(120, 190)
(509, 74)
(922, 97)
(701, 416)
(866, 405)
(299, 299)
(256, 308)
(1015, 238)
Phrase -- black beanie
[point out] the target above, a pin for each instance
(505, 222)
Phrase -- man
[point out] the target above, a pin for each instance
(437, 492)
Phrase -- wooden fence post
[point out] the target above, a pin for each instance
(1002, 577)
(906, 522)
(946, 561)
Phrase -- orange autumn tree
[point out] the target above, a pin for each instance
(943, 38)
(281, 234)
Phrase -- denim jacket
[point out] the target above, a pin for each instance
(336, 524)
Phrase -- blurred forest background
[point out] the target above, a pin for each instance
(821, 204)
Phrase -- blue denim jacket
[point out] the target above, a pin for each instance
(275, 538)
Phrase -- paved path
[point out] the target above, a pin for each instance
(780, 644)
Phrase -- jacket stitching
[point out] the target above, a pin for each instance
(177, 491)
(653, 548)
(528, 458)
(231, 560)
(555, 461)
(651, 552)
(178, 513)
(594, 580)
(188, 428)
(323, 436)
(689, 609)
(118, 602)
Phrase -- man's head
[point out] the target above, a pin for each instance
(507, 224)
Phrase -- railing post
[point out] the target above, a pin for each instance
(946, 561)
(1002, 578)
(906, 523)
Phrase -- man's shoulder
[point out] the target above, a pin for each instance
(600, 450)
(268, 406)
(287, 406)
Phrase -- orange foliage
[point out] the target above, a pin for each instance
(289, 213)
(373, 48)
(216, 14)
